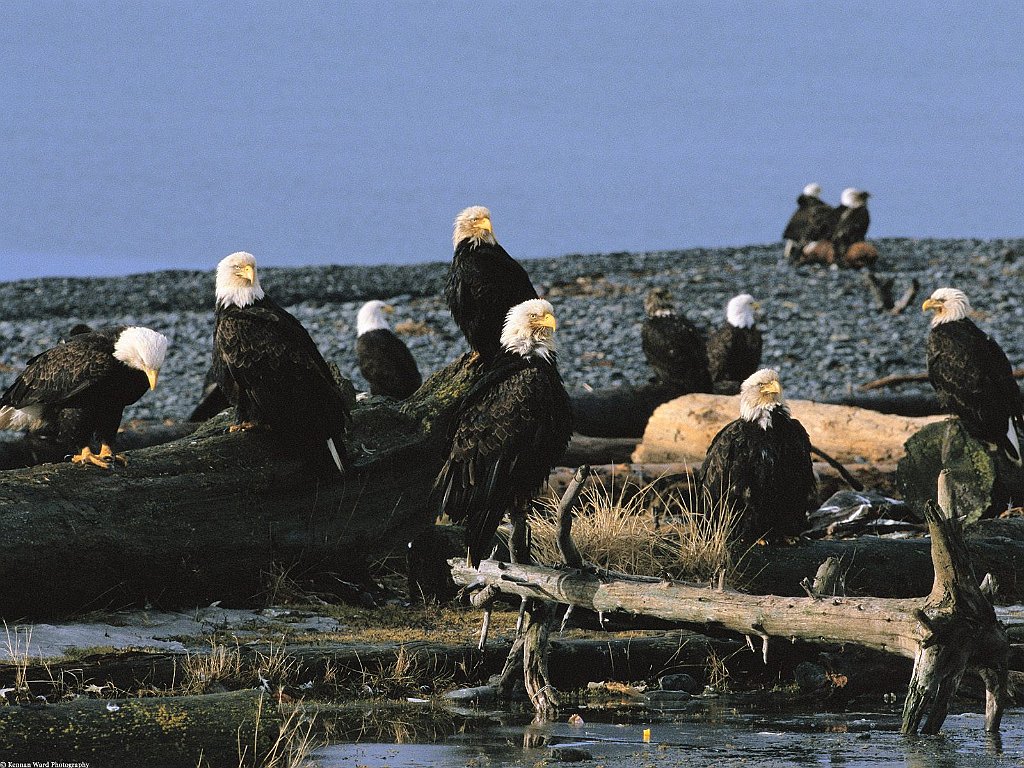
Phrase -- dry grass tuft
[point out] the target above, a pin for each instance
(18, 643)
(618, 530)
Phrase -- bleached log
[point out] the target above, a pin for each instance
(682, 430)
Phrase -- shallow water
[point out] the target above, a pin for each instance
(722, 738)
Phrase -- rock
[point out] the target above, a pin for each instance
(679, 682)
(810, 676)
(984, 482)
(569, 755)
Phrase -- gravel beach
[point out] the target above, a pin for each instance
(822, 328)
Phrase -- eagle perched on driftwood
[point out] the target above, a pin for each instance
(971, 374)
(508, 431)
(484, 282)
(78, 390)
(759, 466)
(274, 373)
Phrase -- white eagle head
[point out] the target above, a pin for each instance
(739, 312)
(142, 349)
(530, 329)
(812, 190)
(237, 281)
(373, 317)
(473, 223)
(760, 395)
(948, 304)
(854, 198)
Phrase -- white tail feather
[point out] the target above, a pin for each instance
(1011, 434)
(334, 453)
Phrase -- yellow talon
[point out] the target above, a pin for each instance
(88, 457)
(107, 454)
(243, 427)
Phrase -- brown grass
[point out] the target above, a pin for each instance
(618, 530)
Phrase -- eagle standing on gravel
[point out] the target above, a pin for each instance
(759, 466)
(852, 221)
(971, 374)
(734, 349)
(275, 374)
(78, 390)
(508, 431)
(385, 362)
(673, 346)
(484, 282)
(812, 221)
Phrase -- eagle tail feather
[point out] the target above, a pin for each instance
(334, 454)
(1014, 452)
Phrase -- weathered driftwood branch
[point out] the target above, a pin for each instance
(210, 516)
(957, 625)
(910, 378)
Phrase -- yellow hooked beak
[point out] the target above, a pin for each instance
(248, 271)
(547, 320)
(485, 224)
(757, 306)
(771, 388)
(387, 309)
(152, 374)
(931, 304)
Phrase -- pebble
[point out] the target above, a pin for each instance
(822, 329)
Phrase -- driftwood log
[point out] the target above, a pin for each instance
(682, 430)
(954, 627)
(210, 516)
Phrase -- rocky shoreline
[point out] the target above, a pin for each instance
(822, 328)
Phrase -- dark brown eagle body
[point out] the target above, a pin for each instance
(484, 283)
(676, 351)
(387, 364)
(812, 220)
(764, 474)
(734, 353)
(77, 390)
(508, 431)
(973, 379)
(277, 376)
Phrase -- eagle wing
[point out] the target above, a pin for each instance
(508, 432)
(63, 371)
(676, 351)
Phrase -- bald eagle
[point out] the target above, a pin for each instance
(813, 220)
(507, 433)
(971, 374)
(759, 465)
(77, 390)
(385, 362)
(852, 221)
(734, 349)
(484, 282)
(673, 346)
(274, 372)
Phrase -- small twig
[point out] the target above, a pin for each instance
(908, 296)
(908, 378)
(522, 614)
(853, 482)
(484, 627)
